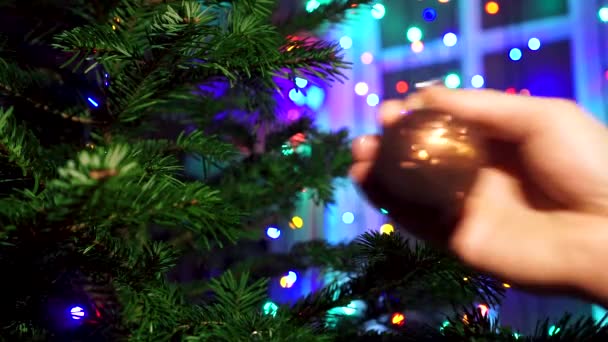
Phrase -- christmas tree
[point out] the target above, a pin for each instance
(101, 102)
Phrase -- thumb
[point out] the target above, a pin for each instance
(499, 234)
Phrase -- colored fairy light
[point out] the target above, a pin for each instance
(414, 34)
(603, 14)
(378, 11)
(301, 82)
(312, 5)
(93, 102)
(315, 96)
(273, 232)
(293, 114)
(452, 81)
(492, 7)
(477, 81)
(373, 100)
(534, 44)
(346, 42)
(350, 309)
(450, 39)
(296, 222)
(429, 14)
(361, 88)
(348, 217)
(288, 280)
(553, 330)
(383, 211)
(387, 228)
(417, 46)
(515, 54)
(398, 319)
(270, 308)
(506, 286)
(402, 87)
(285, 283)
(77, 312)
(483, 309)
(367, 58)
(511, 90)
(295, 94)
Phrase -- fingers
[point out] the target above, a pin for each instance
(390, 111)
(365, 147)
(505, 116)
(360, 171)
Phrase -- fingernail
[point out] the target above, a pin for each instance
(365, 142)
(412, 103)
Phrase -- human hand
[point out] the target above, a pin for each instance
(537, 215)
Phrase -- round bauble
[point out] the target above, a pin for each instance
(426, 166)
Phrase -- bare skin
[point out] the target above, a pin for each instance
(542, 222)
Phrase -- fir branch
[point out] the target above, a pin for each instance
(317, 59)
(156, 312)
(423, 273)
(209, 147)
(103, 42)
(135, 91)
(236, 307)
(237, 295)
(108, 189)
(471, 324)
(15, 82)
(332, 12)
(22, 147)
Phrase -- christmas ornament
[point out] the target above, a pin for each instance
(426, 165)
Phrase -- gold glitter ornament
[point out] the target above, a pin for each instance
(426, 165)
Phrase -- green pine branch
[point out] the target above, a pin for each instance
(107, 188)
(471, 324)
(236, 314)
(17, 83)
(329, 12)
(182, 43)
(425, 276)
(21, 147)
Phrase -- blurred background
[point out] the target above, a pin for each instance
(534, 47)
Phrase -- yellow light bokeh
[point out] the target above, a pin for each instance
(492, 7)
(398, 319)
(417, 46)
(422, 155)
(387, 228)
(296, 222)
(286, 282)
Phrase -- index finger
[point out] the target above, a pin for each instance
(505, 116)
